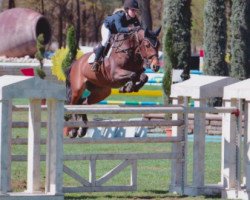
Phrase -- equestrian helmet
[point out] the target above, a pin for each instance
(131, 4)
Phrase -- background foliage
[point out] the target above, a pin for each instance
(215, 38)
(61, 13)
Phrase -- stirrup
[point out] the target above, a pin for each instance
(95, 66)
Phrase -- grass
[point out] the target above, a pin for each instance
(153, 175)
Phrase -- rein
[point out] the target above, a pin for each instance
(137, 48)
(120, 42)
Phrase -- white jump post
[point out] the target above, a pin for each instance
(35, 90)
(5, 150)
(200, 88)
(236, 184)
(178, 169)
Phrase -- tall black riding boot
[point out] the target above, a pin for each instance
(98, 54)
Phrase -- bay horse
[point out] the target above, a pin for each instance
(122, 69)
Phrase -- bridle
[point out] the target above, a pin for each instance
(137, 48)
(139, 51)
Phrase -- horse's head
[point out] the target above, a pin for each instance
(149, 45)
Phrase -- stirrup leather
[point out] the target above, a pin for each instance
(96, 66)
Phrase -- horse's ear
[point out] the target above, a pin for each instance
(146, 33)
(157, 32)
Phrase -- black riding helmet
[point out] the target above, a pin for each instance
(131, 4)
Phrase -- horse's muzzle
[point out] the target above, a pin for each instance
(155, 64)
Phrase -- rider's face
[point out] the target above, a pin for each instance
(132, 12)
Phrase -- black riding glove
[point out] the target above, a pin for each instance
(135, 28)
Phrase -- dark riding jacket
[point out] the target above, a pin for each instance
(118, 22)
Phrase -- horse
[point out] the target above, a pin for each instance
(123, 69)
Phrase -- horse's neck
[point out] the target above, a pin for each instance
(125, 54)
(127, 61)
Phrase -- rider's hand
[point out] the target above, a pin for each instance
(135, 28)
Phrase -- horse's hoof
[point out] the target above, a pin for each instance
(82, 132)
(73, 133)
(66, 131)
(129, 89)
(121, 90)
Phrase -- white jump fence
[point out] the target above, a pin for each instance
(234, 184)
(177, 155)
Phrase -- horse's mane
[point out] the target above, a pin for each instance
(124, 36)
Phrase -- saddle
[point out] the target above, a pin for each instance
(106, 52)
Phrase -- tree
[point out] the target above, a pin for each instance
(40, 55)
(12, 4)
(73, 46)
(1, 5)
(197, 9)
(177, 38)
(146, 13)
(78, 21)
(215, 38)
(248, 33)
(240, 39)
(42, 7)
(228, 17)
(62, 13)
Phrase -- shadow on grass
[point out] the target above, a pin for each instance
(148, 194)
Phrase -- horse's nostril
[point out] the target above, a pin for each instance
(156, 68)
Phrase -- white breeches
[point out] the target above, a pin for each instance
(106, 34)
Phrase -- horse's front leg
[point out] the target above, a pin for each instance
(141, 82)
(128, 78)
(128, 87)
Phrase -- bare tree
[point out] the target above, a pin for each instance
(42, 7)
(12, 4)
(78, 21)
(62, 11)
(146, 13)
(1, 4)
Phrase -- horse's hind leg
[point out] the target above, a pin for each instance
(77, 88)
(96, 95)
(82, 131)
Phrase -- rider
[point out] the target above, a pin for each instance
(119, 22)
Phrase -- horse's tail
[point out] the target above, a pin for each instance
(68, 86)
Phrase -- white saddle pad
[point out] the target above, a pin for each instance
(91, 58)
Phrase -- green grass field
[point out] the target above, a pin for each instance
(153, 175)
